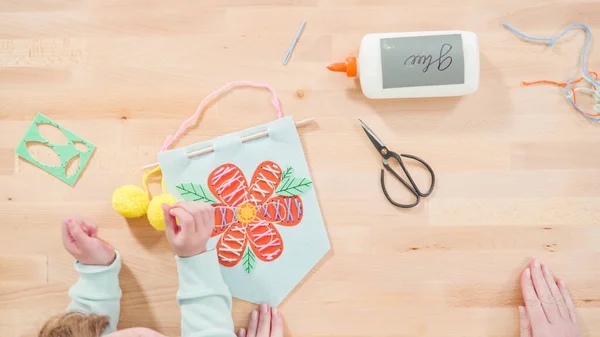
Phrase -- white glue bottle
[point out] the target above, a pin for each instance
(415, 64)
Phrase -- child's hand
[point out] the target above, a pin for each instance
(189, 234)
(81, 241)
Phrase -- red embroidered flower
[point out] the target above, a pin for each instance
(246, 213)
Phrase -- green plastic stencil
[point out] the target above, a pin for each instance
(66, 152)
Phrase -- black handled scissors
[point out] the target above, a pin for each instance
(387, 154)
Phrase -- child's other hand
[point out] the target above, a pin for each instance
(188, 236)
(81, 241)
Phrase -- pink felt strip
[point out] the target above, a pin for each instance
(172, 138)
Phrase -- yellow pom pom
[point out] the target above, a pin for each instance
(155, 212)
(130, 201)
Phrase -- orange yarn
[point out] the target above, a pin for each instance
(564, 84)
(560, 84)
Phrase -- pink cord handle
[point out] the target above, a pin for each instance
(172, 138)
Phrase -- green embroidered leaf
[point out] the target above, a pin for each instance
(287, 173)
(248, 260)
(195, 192)
(293, 186)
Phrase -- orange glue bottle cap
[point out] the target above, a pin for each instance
(349, 67)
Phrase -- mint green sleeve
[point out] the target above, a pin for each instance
(97, 292)
(203, 297)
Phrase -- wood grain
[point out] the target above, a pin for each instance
(517, 167)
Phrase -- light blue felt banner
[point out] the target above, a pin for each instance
(304, 244)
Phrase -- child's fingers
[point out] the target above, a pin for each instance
(89, 228)
(68, 240)
(264, 321)
(241, 333)
(276, 323)
(170, 222)
(186, 220)
(76, 232)
(63, 231)
(195, 209)
(252, 324)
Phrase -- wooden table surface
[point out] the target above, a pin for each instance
(517, 168)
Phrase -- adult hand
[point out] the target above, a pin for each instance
(265, 322)
(549, 309)
(189, 226)
(80, 239)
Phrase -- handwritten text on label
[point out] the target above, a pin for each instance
(443, 61)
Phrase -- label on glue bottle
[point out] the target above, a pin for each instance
(416, 64)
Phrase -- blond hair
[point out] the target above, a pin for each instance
(74, 324)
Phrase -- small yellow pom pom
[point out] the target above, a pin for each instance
(155, 212)
(130, 201)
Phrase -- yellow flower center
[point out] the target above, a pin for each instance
(246, 213)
